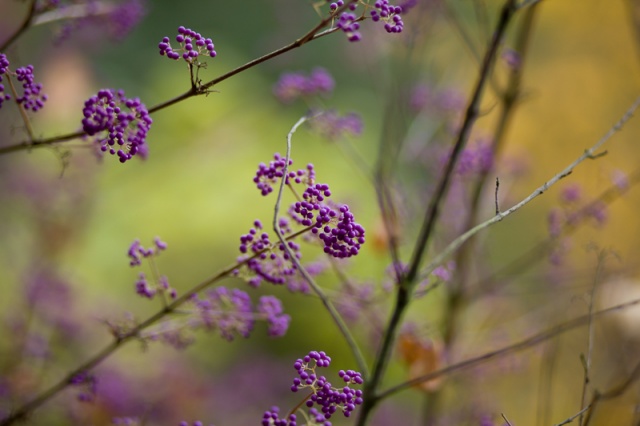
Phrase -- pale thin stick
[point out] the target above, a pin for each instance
(572, 418)
(590, 336)
(505, 419)
(335, 315)
(588, 154)
(529, 342)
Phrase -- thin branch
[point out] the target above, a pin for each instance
(23, 412)
(26, 23)
(496, 195)
(406, 284)
(536, 253)
(529, 342)
(463, 135)
(590, 331)
(505, 419)
(23, 113)
(335, 315)
(193, 91)
(588, 154)
(572, 418)
(614, 392)
(457, 295)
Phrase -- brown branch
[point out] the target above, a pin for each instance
(403, 295)
(23, 412)
(26, 23)
(193, 91)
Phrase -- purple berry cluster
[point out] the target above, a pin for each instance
(120, 124)
(272, 418)
(136, 253)
(271, 264)
(232, 313)
(325, 396)
(389, 14)
(123, 18)
(277, 321)
(32, 97)
(333, 224)
(269, 175)
(192, 45)
(4, 70)
(348, 23)
(333, 126)
(294, 85)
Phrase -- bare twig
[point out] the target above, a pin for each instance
(536, 253)
(496, 196)
(25, 410)
(529, 342)
(408, 280)
(590, 332)
(614, 392)
(505, 419)
(26, 23)
(455, 244)
(203, 89)
(572, 418)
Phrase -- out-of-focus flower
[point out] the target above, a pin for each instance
(333, 126)
(294, 85)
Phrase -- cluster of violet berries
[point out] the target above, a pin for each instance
(32, 98)
(333, 224)
(4, 69)
(192, 45)
(136, 253)
(119, 124)
(348, 21)
(382, 11)
(389, 14)
(269, 175)
(270, 264)
(327, 398)
(232, 313)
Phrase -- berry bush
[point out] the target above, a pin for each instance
(372, 212)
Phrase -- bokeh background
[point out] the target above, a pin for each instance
(68, 218)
